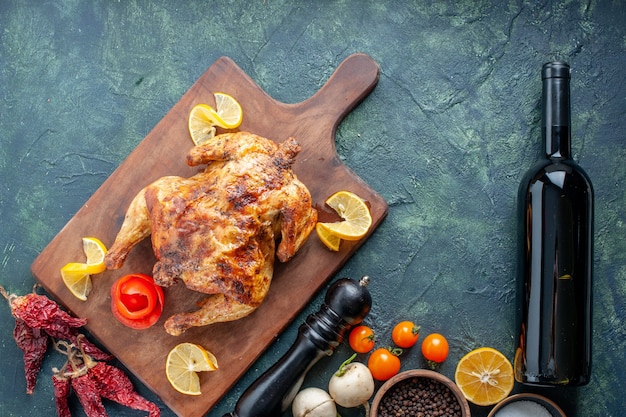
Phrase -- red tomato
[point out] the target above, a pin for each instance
(383, 364)
(405, 334)
(435, 348)
(362, 339)
(136, 301)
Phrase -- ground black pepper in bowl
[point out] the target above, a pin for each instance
(419, 393)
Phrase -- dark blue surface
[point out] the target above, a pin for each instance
(445, 138)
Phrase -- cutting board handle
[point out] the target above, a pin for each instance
(351, 82)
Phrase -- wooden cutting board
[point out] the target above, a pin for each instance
(237, 345)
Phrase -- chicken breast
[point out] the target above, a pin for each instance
(220, 230)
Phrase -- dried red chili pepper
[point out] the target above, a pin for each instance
(61, 385)
(113, 384)
(40, 312)
(61, 379)
(61, 382)
(34, 344)
(88, 395)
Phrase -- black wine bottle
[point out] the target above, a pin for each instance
(554, 283)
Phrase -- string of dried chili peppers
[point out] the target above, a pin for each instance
(37, 318)
(40, 312)
(93, 380)
(78, 378)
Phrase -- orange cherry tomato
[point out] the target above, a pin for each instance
(362, 339)
(405, 334)
(136, 301)
(383, 364)
(435, 348)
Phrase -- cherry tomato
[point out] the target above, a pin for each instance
(405, 334)
(383, 364)
(136, 301)
(435, 348)
(362, 339)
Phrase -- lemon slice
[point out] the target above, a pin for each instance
(354, 212)
(203, 118)
(228, 111)
(76, 277)
(95, 251)
(202, 123)
(331, 241)
(183, 364)
(485, 376)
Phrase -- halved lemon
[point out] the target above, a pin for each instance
(485, 376)
(202, 123)
(228, 111)
(183, 364)
(331, 241)
(76, 277)
(354, 212)
(94, 250)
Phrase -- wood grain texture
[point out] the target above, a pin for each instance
(313, 123)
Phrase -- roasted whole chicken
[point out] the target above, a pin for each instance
(220, 230)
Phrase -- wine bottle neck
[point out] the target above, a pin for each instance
(556, 110)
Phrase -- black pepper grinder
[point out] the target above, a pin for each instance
(346, 304)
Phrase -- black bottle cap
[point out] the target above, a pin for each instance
(556, 69)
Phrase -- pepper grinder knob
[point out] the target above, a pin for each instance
(346, 304)
(351, 301)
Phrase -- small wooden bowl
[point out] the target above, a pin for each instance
(392, 383)
(549, 405)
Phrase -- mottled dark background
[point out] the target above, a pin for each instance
(444, 138)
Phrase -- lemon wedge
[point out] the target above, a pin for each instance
(184, 362)
(356, 216)
(76, 277)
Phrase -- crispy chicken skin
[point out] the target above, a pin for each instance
(217, 230)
